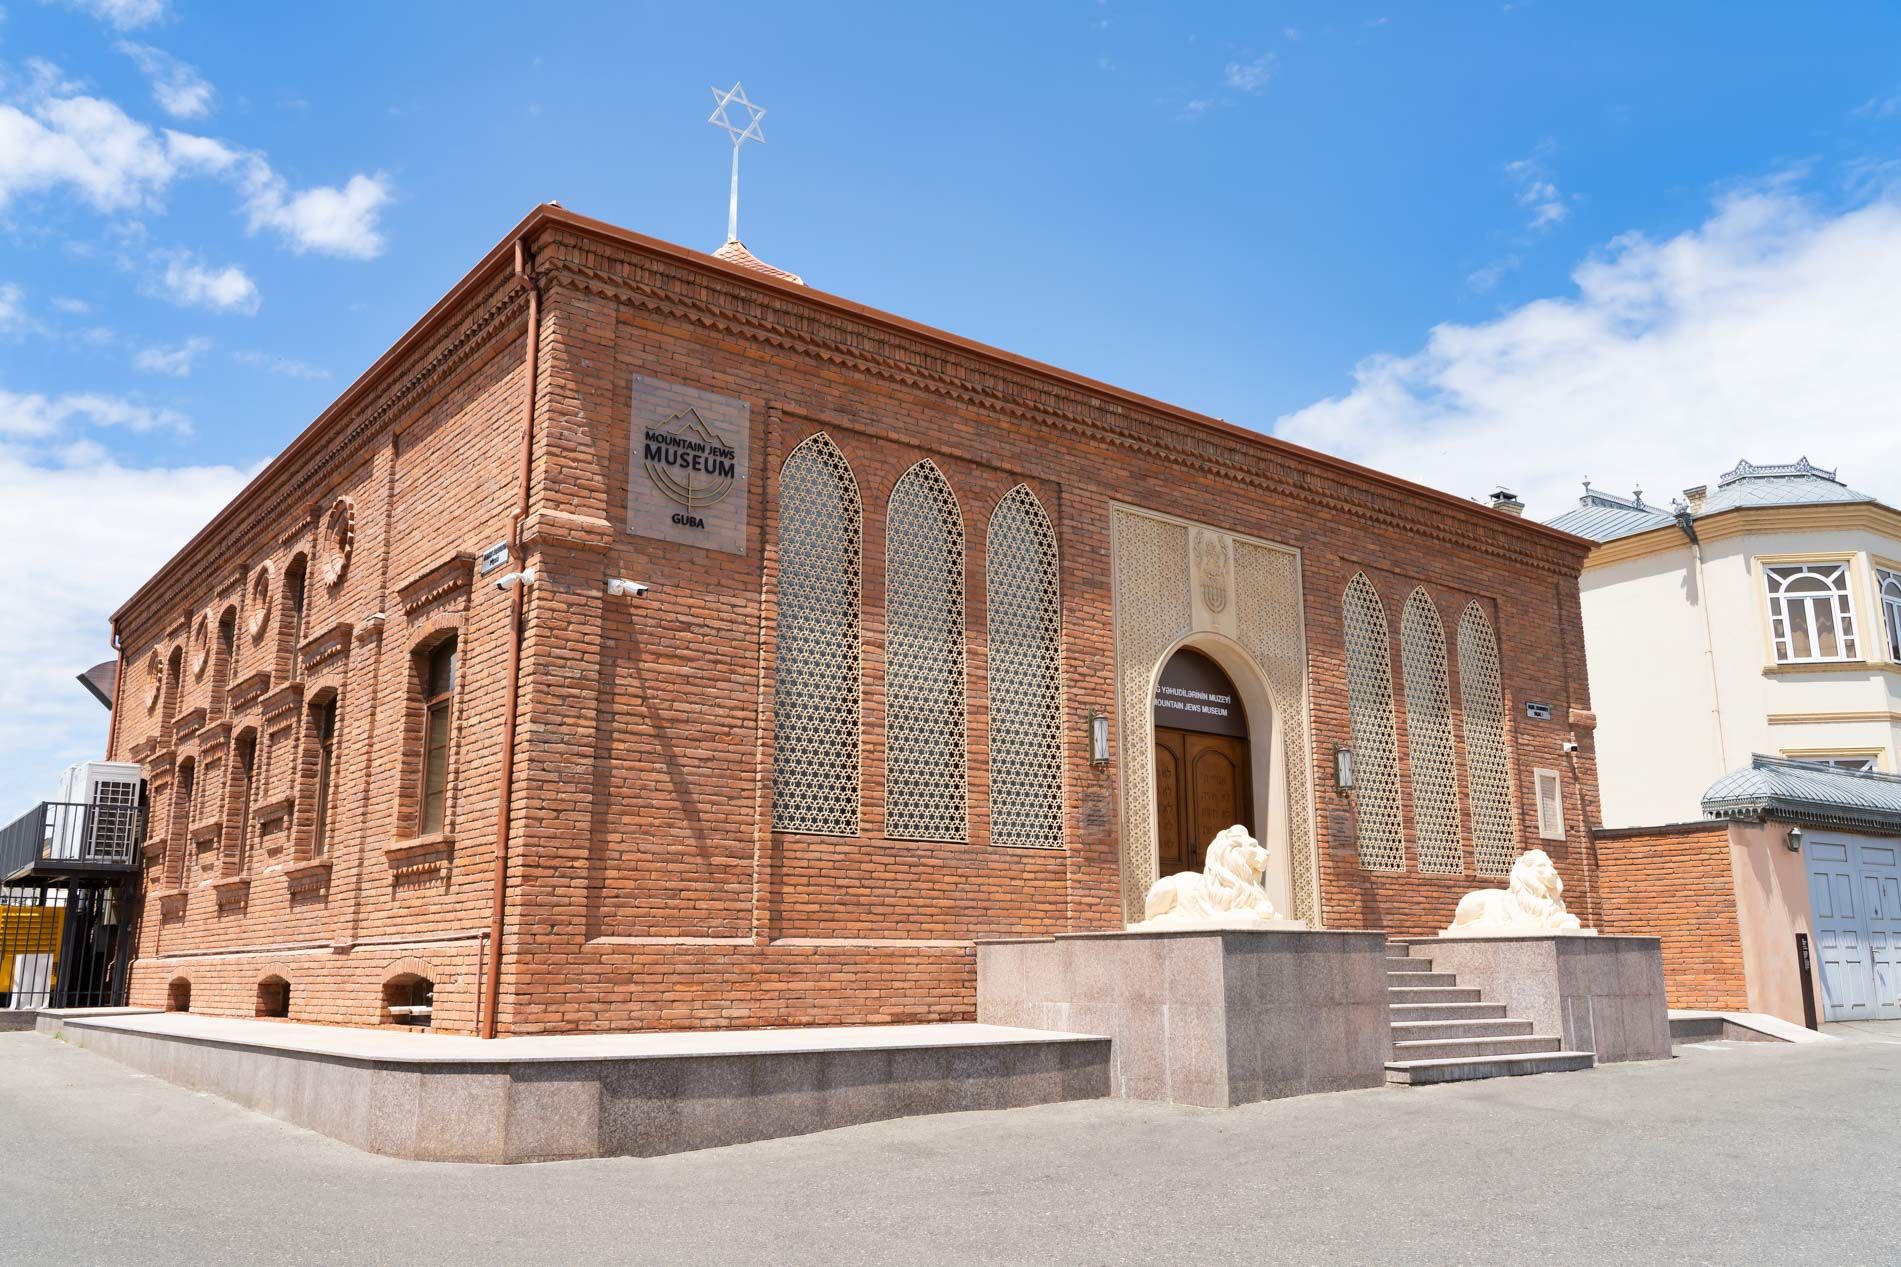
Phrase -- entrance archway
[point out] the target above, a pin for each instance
(1204, 772)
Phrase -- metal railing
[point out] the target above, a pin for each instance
(66, 831)
(64, 946)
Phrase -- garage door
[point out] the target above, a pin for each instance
(1855, 902)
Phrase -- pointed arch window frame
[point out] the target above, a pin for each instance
(1024, 645)
(926, 712)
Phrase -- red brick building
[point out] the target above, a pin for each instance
(909, 672)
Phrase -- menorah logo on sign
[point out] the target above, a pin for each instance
(690, 463)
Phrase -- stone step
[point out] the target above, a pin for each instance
(1414, 980)
(1447, 1011)
(1505, 1027)
(1409, 965)
(1461, 1069)
(1470, 1048)
(1433, 994)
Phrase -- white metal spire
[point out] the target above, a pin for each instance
(741, 133)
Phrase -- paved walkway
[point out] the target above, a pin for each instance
(1734, 1152)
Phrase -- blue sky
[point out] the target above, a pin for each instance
(1521, 243)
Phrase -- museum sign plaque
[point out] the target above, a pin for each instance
(688, 478)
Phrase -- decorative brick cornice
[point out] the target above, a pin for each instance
(210, 829)
(278, 808)
(419, 855)
(446, 581)
(730, 306)
(212, 739)
(558, 527)
(232, 891)
(307, 877)
(315, 655)
(248, 690)
(371, 629)
(281, 700)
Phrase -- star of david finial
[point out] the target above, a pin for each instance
(722, 116)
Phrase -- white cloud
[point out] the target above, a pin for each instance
(1768, 332)
(175, 360)
(31, 415)
(1248, 77)
(112, 161)
(53, 138)
(84, 533)
(123, 15)
(12, 308)
(176, 85)
(190, 283)
(1535, 190)
(70, 306)
(280, 365)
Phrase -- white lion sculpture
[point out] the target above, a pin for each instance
(1532, 902)
(1227, 893)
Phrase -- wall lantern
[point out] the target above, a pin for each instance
(1794, 841)
(1098, 739)
(1343, 769)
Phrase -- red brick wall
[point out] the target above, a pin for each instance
(1676, 883)
(645, 887)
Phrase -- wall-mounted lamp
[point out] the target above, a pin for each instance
(1794, 840)
(1098, 739)
(1343, 769)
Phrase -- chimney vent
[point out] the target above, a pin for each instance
(1503, 499)
(1695, 496)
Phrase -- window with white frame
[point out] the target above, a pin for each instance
(1864, 762)
(1890, 583)
(1810, 617)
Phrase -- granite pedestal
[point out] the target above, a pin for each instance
(1212, 1018)
(1601, 994)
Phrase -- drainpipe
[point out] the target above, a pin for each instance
(517, 596)
(1685, 521)
(118, 685)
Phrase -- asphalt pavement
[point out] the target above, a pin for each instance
(1730, 1153)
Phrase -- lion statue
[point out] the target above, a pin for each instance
(1226, 893)
(1531, 902)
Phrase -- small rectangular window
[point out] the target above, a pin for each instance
(1550, 804)
(326, 723)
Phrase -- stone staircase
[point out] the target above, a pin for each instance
(1445, 1032)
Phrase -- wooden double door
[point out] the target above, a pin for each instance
(1204, 784)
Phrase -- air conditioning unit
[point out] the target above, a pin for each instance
(95, 817)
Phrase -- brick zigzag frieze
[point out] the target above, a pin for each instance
(706, 300)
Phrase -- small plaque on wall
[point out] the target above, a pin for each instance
(1340, 833)
(688, 476)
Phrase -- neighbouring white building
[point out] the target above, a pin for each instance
(1763, 617)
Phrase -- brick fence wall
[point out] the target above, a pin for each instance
(1675, 883)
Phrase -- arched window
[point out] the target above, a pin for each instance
(242, 794)
(1435, 778)
(273, 997)
(223, 651)
(178, 995)
(1890, 583)
(178, 849)
(1024, 608)
(437, 668)
(1488, 766)
(323, 733)
(290, 614)
(409, 999)
(1382, 834)
(816, 658)
(174, 682)
(1810, 617)
(925, 770)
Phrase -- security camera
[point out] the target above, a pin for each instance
(634, 589)
(1570, 745)
(524, 577)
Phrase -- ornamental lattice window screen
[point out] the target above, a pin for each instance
(925, 762)
(1488, 765)
(1890, 583)
(1375, 739)
(1810, 617)
(1024, 605)
(816, 663)
(1435, 777)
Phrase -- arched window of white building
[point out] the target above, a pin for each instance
(1375, 739)
(1890, 583)
(1429, 746)
(1488, 766)
(816, 663)
(1024, 626)
(1810, 616)
(925, 763)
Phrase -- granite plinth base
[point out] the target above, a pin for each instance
(1601, 994)
(1212, 1018)
(432, 1097)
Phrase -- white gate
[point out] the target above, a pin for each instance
(1855, 903)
